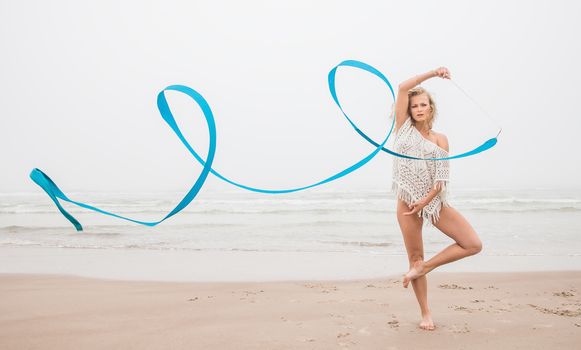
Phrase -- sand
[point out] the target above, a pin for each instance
(524, 310)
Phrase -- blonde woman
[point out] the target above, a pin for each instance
(421, 187)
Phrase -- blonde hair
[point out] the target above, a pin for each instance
(418, 90)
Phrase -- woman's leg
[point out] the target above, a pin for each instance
(454, 225)
(411, 228)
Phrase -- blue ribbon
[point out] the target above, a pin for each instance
(41, 179)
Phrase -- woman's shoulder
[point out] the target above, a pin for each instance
(441, 140)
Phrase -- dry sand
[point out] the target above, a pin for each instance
(532, 310)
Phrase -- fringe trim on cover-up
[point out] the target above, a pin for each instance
(443, 185)
(402, 194)
(429, 218)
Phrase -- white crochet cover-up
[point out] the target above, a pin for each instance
(414, 179)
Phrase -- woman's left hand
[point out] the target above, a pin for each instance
(443, 73)
(416, 207)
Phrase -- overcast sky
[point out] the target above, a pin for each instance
(79, 79)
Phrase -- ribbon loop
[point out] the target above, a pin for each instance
(53, 191)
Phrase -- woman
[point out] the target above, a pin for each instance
(421, 187)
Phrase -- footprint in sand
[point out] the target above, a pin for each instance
(393, 324)
(493, 309)
(460, 308)
(248, 292)
(380, 286)
(343, 335)
(452, 286)
(324, 289)
(388, 284)
(458, 329)
(565, 294)
(573, 303)
(557, 311)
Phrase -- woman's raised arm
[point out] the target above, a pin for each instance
(402, 100)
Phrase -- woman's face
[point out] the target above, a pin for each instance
(420, 108)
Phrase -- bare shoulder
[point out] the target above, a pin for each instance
(442, 141)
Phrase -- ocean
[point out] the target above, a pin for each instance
(540, 225)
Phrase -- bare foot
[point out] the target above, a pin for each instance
(427, 323)
(416, 271)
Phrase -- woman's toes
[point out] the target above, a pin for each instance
(427, 323)
(406, 281)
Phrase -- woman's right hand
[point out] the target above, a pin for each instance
(442, 72)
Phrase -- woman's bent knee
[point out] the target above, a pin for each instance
(475, 248)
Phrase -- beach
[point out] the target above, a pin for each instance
(532, 310)
(318, 270)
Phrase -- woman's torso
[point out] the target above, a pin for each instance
(414, 179)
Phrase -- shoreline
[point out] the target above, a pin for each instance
(507, 275)
(244, 266)
(536, 310)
